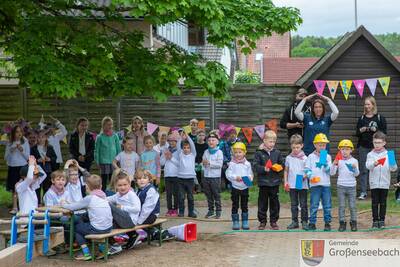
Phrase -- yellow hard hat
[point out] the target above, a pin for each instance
(346, 143)
(239, 145)
(320, 138)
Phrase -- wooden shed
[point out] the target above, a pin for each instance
(358, 55)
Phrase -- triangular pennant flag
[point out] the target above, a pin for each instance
(248, 133)
(346, 85)
(381, 161)
(332, 87)
(238, 130)
(187, 129)
(151, 127)
(164, 129)
(272, 125)
(372, 85)
(339, 156)
(202, 124)
(268, 164)
(260, 129)
(121, 134)
(384, 81)
(350, 167)
(42, 123)
(359, 85)
(320, 86)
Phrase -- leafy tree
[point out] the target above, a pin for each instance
(69, 48)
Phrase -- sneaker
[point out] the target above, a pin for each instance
(120, 239)
(82, 257)
(342, 226)
(375, 225)
(60, 249)
(262, 226)
(381, 224)
(174, 213)
(114, 249)
(362, 196)
(168, 213)
(51, 252)
(353, 225)
(304, 225)
(274, 226)
(312, 227)
(327, 227)
(210, 214)
(133, 241)
(293, 225)
(192, 215)
(218, 215)
(181, 215)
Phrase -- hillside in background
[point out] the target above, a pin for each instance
(313, 46)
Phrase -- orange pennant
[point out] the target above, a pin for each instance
(272, 125)
(248, 133)
(202, 124)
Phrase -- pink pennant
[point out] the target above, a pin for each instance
(372, 85)
(260, 129)
(359, 84)
(151, 127)
(320, 86)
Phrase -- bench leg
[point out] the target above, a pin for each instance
(160, 237)
(106, 250)
(148, 237)
(93, 251)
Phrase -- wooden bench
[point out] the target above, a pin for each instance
(103, 238)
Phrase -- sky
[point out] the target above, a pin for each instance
(330, 18)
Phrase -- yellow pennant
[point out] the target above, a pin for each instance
(384, 81)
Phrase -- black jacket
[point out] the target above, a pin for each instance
(49, 166)
(89, 146)
(365, 138)
(270, 178)
(289, 116)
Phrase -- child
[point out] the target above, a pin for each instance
(186, 175)
(194, 126)
(46, 158)
(212, 163)
(268, 180)
(294, 166)
(76, 185)
(56, 136)
(320, 183)
(128, 160)
(200, 146)
(238, 168)
(148, 196)
(162, 143)
(32, 176)
(57, 195)
(16, 156)
(99, 215)
(150, 159)
(170, 160)
(346, 183)
(125, 205)
(106, 148)
(379, 178)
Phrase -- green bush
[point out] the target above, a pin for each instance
(5, 197)
(247, 77)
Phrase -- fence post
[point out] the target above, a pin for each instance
(24, 108)
(119, 114)
(212, 113)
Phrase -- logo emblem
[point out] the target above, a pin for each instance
(312, 251)
(310, 123)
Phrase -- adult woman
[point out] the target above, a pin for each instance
(316, 121)
(81, 144)
(368, 124)
(137, 132)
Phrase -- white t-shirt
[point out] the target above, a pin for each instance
(51, 198)
(128, 162)
(296, 167)
(346, 177)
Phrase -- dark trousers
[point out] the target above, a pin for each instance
(186, 189)
(241, 196)
(225, 183)
(299, 197)
(212, 190)
(268, 198)
(83, 228)
(105, 178)
(379, 198)
(150, 220)
(121, 218)
(172, 190)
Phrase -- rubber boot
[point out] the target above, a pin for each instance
(342, 226)
(245, 221)
(235, 222)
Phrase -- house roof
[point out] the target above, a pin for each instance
(338, 49)
(286, 70)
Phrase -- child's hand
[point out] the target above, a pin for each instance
(46, 158)
(31, 161)
(363, 129)
(266, 169)
(335, 162)
(354, 166)
(238, 178)
(376, 163)
(206, 162)
(287, 187)
(20, 148)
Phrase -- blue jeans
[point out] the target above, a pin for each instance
(318, 193)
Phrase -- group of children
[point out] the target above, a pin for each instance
(188, 161)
